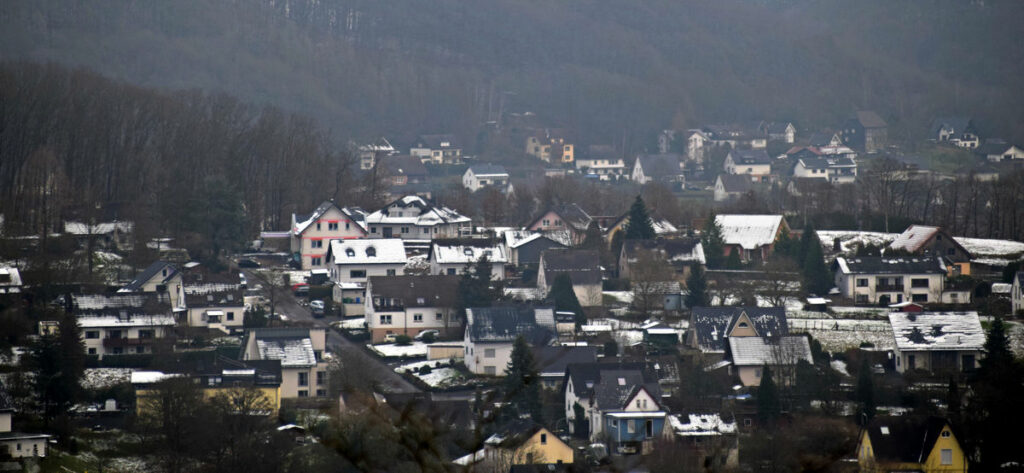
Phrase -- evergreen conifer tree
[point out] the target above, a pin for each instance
(817, 277)
(992, 418)
(522, 381)
(733, 261)
(865, 391)
(639, 226)
(697, 288)
(713, 243)
(564, 298)
(768, 404)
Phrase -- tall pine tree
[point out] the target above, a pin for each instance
(993, 418)
(713, 243)
(697, 288)
(865, 391)
(769, 407)
(639, 226)
(564, 298)
(522, 383)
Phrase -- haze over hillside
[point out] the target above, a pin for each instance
(603, 69)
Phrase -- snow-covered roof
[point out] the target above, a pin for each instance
(749, 231)
(80, 228)
(149, 377)
(899, 265)
(291, 351)
(301, 222)
(367, 251)
(121, 300)
(663, 226)
(466, 252)
(937, 330)
(913, 237)
(1001, 288)
(757, 351)
(701, 425)
(10, 277)
(114, 321)
(414, 210)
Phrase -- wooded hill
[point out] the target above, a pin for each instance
(602, 68)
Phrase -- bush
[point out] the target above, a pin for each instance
(403, 340)
(428, 338)
(425, 369)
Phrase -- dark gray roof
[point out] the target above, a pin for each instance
(660, 165)
(582, 266)
(215, 298)
(710, 325)
(955, 124)
(869, 119)
(434, 291)
(819, 139)
(487, 168)
(405, 165)
(815, 163)
(600, 382)
(505, 323)
(434, 141)
(571, 214)
(736, 182)
(777, 127)
(898, 265)
(148, 273)
(904, 439)
(600, 152)
(750, 156)
(556, 359)
(992, 146)
(670, 247)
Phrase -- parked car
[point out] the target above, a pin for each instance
(317, 307)
(248, 263)
(427, 333)
(301, 289)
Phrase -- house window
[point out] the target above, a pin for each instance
(92, 334)
(357, 273)
(945, 434)
(757, 372)
(390, 272)
(303, 393)
(385, 320)
(118, 350)
(332, 226)
(321, 378)
(919, 297)
(546, 222)
(543, 439)
(438, 316)
(231, 316)
(421, 300)
(862, 282)
(140, 350)
(919, 283)
(371, 252)
(490, 371)
(372, 229)
(649, 428)
(316, 243)
(862, 298)
(318, 226)
(405, 229)
(747, 422)
(316, 261)
(92, 351)
(321, 393)
(488, 353)
(303, 379)
(417, 318)
(451, 271)
(911, 362)
(947, 456)
(146, 334)
(350, 252)
(630, 427)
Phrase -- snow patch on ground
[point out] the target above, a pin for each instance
(625, 297)
(838, 335)
(840, 367)
(100, 378)
(357, 323)
(389, 350)
(438, 377)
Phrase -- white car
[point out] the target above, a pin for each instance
(426, 333)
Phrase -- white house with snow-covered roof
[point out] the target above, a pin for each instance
(938, 342)
(413, 218)
(310, 234)
(300, 351)
(10, 280)
(125, 333)
(753, 236)
(451, 257)
(352, 261)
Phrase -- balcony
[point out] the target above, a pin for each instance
(889, 288)
(134, 342)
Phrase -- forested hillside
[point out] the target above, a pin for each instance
(602, 68)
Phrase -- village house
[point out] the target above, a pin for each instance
(405, 170)
(522, 442)
(214, 306)
(681, 253)
(893, 444)
(996, 150)
(711, 327)
(621, 403)
(214, 375)
(583, 268)
(301, 353)
(17, 444)
(525, 247)
(491, 332)
(781, 131)
(923, 240)
(437, 149)
(111, 235)
(749, 355)
(126, 333)
(452, 257)
(1017, 293)
(370, 154)
(708, 440)
(693, 146)
(553, 360)
(550, 146)
(754, 163)
(479, 176)
(731, 186)
(753, 236)
(957, 131)
(747, 135)
(159, 277)
(832, 168)
(941, 343)
(601, 161)
(353, 261)
(409, 305)
(883, 281)
(822, 139)
(412, 218)
(568, 217)
(311, 234)
(664, 168)
(10, 280)
(865, 131)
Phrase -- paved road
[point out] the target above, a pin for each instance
(386, 377)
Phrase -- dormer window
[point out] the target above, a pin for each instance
(743, 325)
(371, 252)
(468, 251)
(350, 252)
(945, 434)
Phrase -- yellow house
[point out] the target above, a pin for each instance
(893, 444)
(522, 443)
(262, 378)
(551, 148)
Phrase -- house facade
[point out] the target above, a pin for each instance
(1017, 293)
(353, 261)
(452, 257)
(832, 168)
(893, 444)
(754, 163)
(300, 350)
(311, 234)
(998, 150)
(525, 247)
(413, 218)
(665, 168)
(877, 280)
(437, 149)
(18, 444)
(491, 332)
(567, 217)
(865, 131)
(550, 146)
(750, 354)
(370, 154)
(937, 342)
(126, 334)
(957, 131)
(480, 176)
(731, 186)
(583, 268)
(621, 403)
(924, 240)
(752, 236)
(408, 305)
(681, 253)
